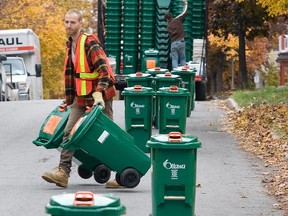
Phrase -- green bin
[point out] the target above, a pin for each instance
(51, 136)
(173, 158)
(103, 139)
(163, 80)
(138, 114)
(150, 59)
(188, 82)
(172, 109)
(139, 78)
(84, 203)
(166, 80)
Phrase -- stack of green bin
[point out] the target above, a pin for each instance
(147, 26)
(51, 136)
(162, 36)
(102, 138)
(173, 159)
(150, 59)
(85, 203)
(188, 82)
(139, 78)
(130, 36)
(113, 31)
(172, 109)
(138, 114)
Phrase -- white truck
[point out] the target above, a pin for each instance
(23, 64)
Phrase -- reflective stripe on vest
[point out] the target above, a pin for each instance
(83, 67)
(83, 83)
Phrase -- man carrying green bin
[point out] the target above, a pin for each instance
(89, 81)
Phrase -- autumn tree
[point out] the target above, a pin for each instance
(46, 19)
(246, 20)
(275, 7)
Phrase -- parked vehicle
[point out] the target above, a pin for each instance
(3, 86)
(23, 64)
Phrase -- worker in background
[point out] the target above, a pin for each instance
(89, 81)
(177, 36)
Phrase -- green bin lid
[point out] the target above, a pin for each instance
(156, 70)
(151, 52)
(173, 140)
(173, 91)
(84, 203)
(183, 69)
(138, 89)
(166, 76)
(139, 76)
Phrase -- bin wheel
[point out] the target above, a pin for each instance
(118, 180)
(130, 178)
(102, 174)
(84, 172)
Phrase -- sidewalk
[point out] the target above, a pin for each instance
(229, 179)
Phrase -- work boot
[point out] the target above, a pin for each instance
(59, 177)
(113, 184)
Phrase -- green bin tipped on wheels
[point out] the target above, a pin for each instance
(172, 109)
(139, 78)
(51, 136)
(102, 138)
(188, 81)
(138, 114)
(173, 158)
(85, 203)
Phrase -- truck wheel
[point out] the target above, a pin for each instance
(102, 174)
(130, 178)
(200, 91)
(84, 172)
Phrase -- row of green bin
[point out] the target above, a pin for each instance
(171, 111)
(158, 77)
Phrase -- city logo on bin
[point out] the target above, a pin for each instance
(172, 107)
(168, 165)
(137, 107)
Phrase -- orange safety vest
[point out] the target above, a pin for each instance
(84, 79)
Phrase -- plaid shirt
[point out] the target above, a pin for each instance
(96, 58)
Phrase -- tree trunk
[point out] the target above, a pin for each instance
(243, 75)
(220, 63)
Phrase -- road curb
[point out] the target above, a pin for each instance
(232, 104)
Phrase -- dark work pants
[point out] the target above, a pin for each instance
(75, 113)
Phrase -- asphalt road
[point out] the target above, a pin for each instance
(229, 179)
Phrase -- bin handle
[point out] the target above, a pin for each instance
(174, 197)
(175, 137)
(185, 68)
(168, 74)
(157, 68)
(138, 88)
(173, 88)
(84, 198)
(139, 74)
